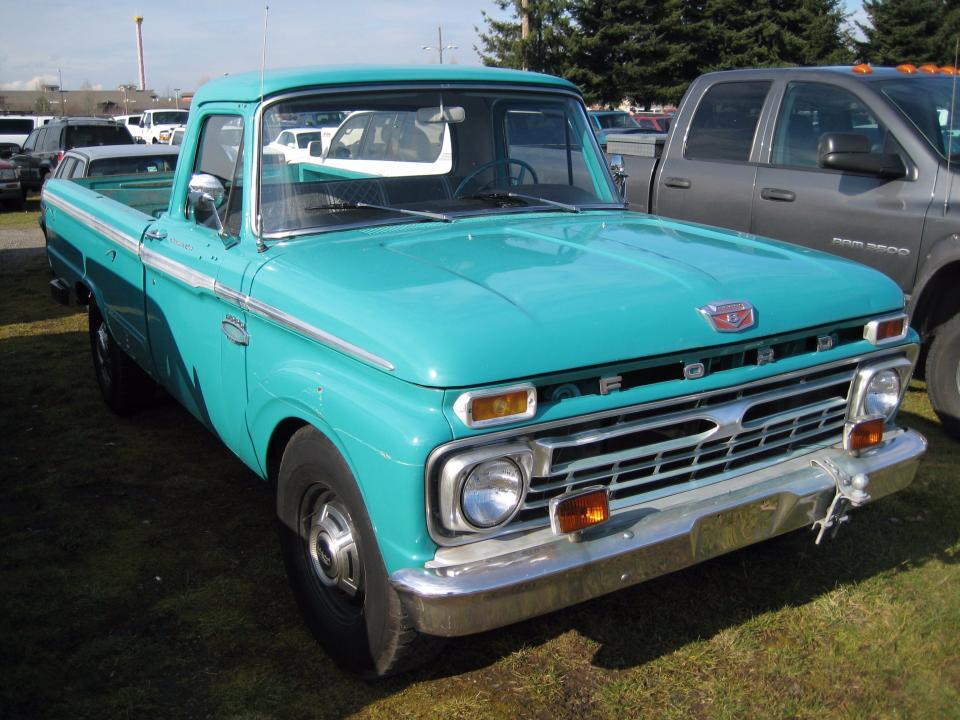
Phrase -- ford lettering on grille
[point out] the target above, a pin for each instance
(729, 315)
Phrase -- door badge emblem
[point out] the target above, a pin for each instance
(729, 315)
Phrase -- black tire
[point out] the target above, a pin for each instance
(345, 596)
(943, 376)
(124, 385)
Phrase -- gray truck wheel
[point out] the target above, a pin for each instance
(124, 385)
(943, 376)
(334, 566)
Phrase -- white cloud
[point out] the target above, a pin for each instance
(31, 84)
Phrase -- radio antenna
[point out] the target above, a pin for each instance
(263, 61)
(953, 109)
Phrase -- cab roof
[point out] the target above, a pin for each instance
(245, 87)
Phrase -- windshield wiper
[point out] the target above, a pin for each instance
(386, 208)
(521, 196)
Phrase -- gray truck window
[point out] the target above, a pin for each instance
(811, 109)
(726, 121)
(931, 105)
(51, 140)
(31, 142)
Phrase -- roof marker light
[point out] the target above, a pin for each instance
(907, 68)
(949, 70)
(929, 68)
(862, 69)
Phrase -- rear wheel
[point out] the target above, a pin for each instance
(335, 568)
(124, 385)
(943, 375)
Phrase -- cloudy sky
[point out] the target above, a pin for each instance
(188, 41)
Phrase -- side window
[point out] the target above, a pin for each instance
(344, 145)
(65, 167)
(546, 139)
(220, 154)
(78, 169)
(725, 122)
(811, 109)
(51, 139)
(31, 142)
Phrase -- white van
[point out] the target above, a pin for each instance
(132, 122)
(15, 128)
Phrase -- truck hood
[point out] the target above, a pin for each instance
(492, 299)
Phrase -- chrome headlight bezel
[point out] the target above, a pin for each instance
(901, 364)
(453, 477)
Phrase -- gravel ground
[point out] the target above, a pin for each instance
(19, 247)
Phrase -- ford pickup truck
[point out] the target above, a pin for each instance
(481, 391)
(856, 161)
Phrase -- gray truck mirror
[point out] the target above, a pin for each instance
(850, 152)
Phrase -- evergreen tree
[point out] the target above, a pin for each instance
(945, 41)
(545, 49)
(901, 31)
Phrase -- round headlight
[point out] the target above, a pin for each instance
(883, 393)
(491, 492)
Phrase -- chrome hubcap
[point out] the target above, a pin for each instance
(332, 548)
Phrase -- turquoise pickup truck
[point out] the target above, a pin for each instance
(480, 387)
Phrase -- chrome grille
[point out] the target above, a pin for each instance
(647, 454)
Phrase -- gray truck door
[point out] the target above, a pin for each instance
(872, 220)
(708, 176)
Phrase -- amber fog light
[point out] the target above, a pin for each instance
(863, 434)
(573, 512)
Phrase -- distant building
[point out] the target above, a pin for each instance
(47, 101)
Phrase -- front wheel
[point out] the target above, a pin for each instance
(124, 385)
(334, 566)
(943, 376)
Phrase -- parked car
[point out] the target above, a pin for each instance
(14, 129)
(110, 160)
(176, 136)
(607, 122)
(485, 390)
(654, 122)
(45, 146)
(155, 122)
(10, 191)
(294, 143)
(132, 123)
(851, 160)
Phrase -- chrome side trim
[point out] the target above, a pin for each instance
(127, 242)
(275, 315)
(176, 270)
(494, 583)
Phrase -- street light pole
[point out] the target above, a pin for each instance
(176, 94)
(440, 46)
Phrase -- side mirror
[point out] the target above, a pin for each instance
(206, 193)
(619, 175)
(850, 152)
(315, 149)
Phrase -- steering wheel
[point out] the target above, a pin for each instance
(524, 167)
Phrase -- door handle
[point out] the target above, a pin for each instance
(777, 194)
(677, 182)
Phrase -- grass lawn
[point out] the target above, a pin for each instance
(140, 578)
(16, 219)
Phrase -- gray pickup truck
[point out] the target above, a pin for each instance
(852, 161)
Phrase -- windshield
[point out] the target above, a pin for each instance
(616, 121)
(170, 117)
(433, 155)
(926, 103)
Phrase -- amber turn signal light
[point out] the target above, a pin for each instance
(929, 68)
(949, 70)
(498, 406)
(862, 69)
(570, 513)
(907, 68)
(864, 434)
(887, 329)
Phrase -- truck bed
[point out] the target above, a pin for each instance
(150, 194)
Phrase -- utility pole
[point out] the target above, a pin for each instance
(524, 31)
(440, 46)
(176, 92)
(60, 80)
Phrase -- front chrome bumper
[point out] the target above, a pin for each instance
(481, 589)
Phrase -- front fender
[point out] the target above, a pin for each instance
(383, 427)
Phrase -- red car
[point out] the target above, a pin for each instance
(653, 121)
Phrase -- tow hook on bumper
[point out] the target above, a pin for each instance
(851, 492)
